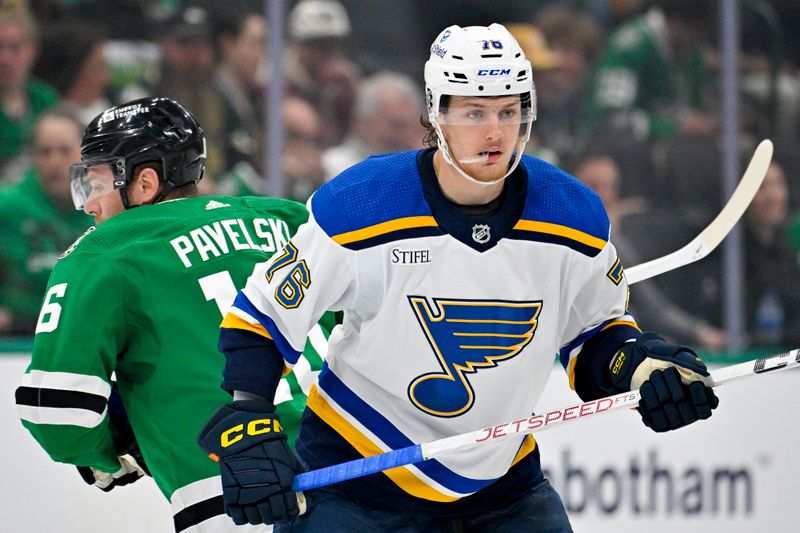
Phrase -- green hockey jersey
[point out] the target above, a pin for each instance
(140, 298)
(641, 85)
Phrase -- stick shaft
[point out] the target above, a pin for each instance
(534, 424)
(763, 365)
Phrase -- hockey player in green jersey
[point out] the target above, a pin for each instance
(138, 299)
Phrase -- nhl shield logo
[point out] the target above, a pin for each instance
(481, 233)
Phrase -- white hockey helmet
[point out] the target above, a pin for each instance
(478, 61)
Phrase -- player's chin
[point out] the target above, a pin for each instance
(491, 172)
(488, 178)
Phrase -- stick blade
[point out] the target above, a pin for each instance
(740, 199)
(711, 236)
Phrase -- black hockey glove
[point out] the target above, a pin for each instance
(670, 378)
(256, 463)
(132, 465)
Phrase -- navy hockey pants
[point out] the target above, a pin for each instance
(541, 511)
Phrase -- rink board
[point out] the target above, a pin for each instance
(737, 472)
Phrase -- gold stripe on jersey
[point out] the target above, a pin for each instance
(384, 228)
(528, 445)
(401, 476)
(561, 231)
(622, 322)
(233, 321)
(571, 372)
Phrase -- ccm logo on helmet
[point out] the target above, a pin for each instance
(494, 71)
(254, 427)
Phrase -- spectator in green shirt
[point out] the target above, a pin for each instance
(38, 221)
(22, 97)
(652, 78)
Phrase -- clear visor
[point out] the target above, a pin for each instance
(92, 179)
(486, 112)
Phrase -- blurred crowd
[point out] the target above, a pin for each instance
(628, 101)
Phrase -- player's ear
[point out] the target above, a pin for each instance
(145, 187)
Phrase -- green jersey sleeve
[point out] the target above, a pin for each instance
(82, 313)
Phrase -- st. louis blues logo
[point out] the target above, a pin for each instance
(467, 336)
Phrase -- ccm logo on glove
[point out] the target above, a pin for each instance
(256, 471)
(616, 365)
(254, 427)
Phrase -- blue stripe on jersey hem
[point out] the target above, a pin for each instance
(524, 235)
(399, 235)
(391, 436)
(289, 354)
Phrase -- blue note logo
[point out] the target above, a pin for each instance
(467, 336)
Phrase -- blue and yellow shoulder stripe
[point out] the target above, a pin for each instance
(377, 201)
(561, 210)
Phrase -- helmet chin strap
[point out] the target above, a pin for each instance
(123, 194)
(442, 143)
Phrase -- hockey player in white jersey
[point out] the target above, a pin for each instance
(461, 269)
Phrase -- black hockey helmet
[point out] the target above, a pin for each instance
(144, 131)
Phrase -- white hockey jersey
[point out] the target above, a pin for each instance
(451, 320)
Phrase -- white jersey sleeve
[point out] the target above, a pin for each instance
(599, 302)
(289, 293)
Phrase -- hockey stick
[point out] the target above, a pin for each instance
(709, 238)
(430, 450)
